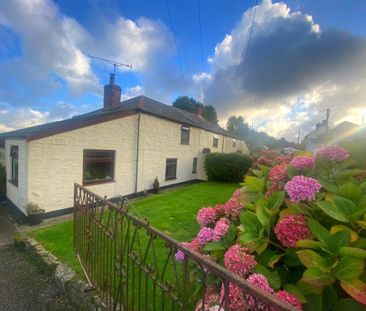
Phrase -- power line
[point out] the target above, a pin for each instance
(175, 40)
(202, 51)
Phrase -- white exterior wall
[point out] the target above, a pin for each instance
(160, 139)
(56, 162)
(17, 194)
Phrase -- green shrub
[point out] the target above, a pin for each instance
(227, 167)
(357, 150)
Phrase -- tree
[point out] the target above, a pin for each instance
(190, 104)
(237, 126)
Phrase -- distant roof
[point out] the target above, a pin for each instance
(131, 106)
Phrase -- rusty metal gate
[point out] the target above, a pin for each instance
(132, 265)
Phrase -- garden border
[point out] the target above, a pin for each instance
(81, 294)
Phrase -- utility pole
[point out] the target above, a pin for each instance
(298, 136)
(327, 126)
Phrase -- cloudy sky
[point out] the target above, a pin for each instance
(303, 57)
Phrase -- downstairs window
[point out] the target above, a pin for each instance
(14, 156)
(98, 166)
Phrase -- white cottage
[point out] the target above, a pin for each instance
(116, 150)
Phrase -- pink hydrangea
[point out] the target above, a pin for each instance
(233, 207)
(301, 188)
(221, 228)
(291, 229)
(301, 163)
(283, 159)
(264, 161)
(220, 209)
(236, 297)
(277, 176)
(333, 153)
(206, 216)
(195, 245)
(238, 260)
(261, 282)
(179, 255)
(205, 235)
(289, 298)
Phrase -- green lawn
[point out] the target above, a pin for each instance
(173, 212)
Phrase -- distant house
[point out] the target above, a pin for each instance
(116, 150)
(322, 136)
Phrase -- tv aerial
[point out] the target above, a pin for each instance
(110, 62)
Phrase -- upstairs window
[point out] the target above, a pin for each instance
(171, 169)
(184, 136)
(234, 143)
(98, 166)
(194, 166)
(215, 142)
(14, 155)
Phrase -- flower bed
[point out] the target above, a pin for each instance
(296, 229)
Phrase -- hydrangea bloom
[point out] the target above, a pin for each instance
(264, 161)
(283, 159)
(301, 188)
(277, 176)
(333, 153)
(238, 261)
(291, 229)
(179, 255)
(289, 298)
(233, 207)
(195, 245)
(206, 216)
(301, 163)
(221, 228)
(205, 235)
(236, 297)
(261, 282)
(220, 209)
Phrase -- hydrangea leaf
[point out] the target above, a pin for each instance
(250, 222)
(276, 199)
(254, 184)
(348, 267)
(338, 240)
(310, 259)
(353, 251)
(337, 228)
(345, 175)
(327, 185)
(318, 231)
(333, 211)
(350, 191)
(263, 216)
(309, 244)
(213, 246)
(356, 289)
(317, 278)
(348, 304)
(345, 205)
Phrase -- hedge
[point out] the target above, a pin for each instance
(227, 167)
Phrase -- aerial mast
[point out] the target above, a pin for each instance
(110, 62)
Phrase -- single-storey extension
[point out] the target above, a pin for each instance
(117, 150)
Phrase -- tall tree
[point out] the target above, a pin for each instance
(237, 126)
(190, 104)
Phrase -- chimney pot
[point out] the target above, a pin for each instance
(112, 93)
(199, 111)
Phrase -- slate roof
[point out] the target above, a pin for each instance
(131, 106)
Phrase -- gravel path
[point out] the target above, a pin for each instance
(23, 287)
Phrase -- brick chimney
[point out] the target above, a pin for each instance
(112, 94)
(199, 111)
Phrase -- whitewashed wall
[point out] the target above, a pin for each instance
(17, 194)
(56, 162)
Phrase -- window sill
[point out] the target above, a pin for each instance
(169, 179)
(13, 182)
(187, 144)
(98, 182)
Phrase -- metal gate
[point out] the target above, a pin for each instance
(132, 265)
